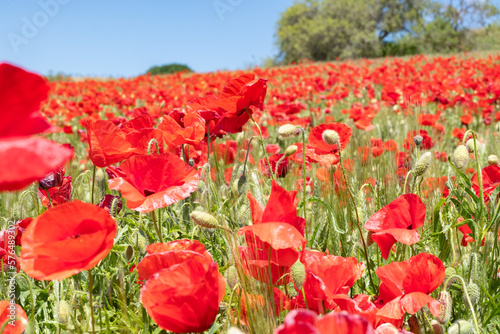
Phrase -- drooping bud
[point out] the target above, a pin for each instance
(423, 164)
(331, 137)
(460, 157)
(470, 145)
(460, 327)
(291, 150)
(414, 325)
(446, 302)
(287, 131)
(493, 160)
(232, 277)
(298, 272)
(418, 139)
(204, 219)
(129, 253)
(474, 293)
(63, 312)
(437, 327)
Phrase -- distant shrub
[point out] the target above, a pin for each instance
(168, 69)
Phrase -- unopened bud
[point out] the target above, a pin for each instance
(460, 327)
(474, 293)
(331, 137)
(470, 145)
(129, 253)
(423, 164)
(232, 277)
(436, 327)
(418, 139)
(414, 325)
(63, 312)
(298, 272)
(204, 219)
(291, 150)
(446, 302)
(460, 157)
(493, 160)
(288, 130)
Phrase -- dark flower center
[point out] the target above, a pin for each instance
(148, 192)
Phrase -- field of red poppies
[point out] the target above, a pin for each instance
(353, 197)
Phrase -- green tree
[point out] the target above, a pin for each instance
(168, 69)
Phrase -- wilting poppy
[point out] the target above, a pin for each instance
(65, 240)
(184, 297)
(491, 180)
(397, 221)
(150, 182)
(303, 321)
(279, 164)
(12, 326)
(24, 159)
(58, 194)
(405, 287)
(110, 202)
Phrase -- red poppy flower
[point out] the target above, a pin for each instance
(191, 130)
(427, 143)
(360, 305)
(326, 276)
(23, 159)
(65, 240)
(21, 226)
(390, 329)
(303, 321)
(150, 182)
(12, 327)
(281, 207)
(184, 297)
(225, 113)
(58, 195)
(405, 287)
(390, 145)
(272, 249)
(279, 164)
(491, 180)
(397, 221)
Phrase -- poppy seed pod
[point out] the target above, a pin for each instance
(423, 164)
(414, 325)
(287, 131)
(204, 219)
(418, 139)
(331, 137)
(460, 327)
(493, 160)
(470, 145)
(298, 272)
(460, 157)
(436, 327)
(446, 302)
(232, 277)
(291, 150)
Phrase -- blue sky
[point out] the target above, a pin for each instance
(124, 38)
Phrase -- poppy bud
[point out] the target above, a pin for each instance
(62, 312)
(232, 277)
(414, 325)
(493, 160)
(436, 326)
(423, 164)
(191, 162)
(54, 179)
(331, 137)
(446, 302)
(460, 327)
(460, 157)
(129, 253)
(287, 131)
(242, 184)
(204, 219)
(474, 294)
(139, 241)
(243, 214)
(474, 267)
(369, 239)
(418, 139)
(291, 150)
(298, 272)
(470, 145)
